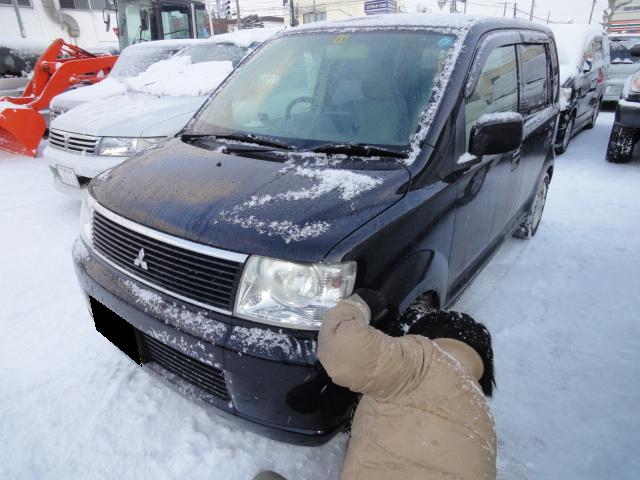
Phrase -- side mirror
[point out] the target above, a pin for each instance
(588, 65)
(635, 50)
(144, 20)
(496, 133)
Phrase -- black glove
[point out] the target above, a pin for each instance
(376, 303)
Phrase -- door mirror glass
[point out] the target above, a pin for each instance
(635, 50)
(588, 64)
(496, 133)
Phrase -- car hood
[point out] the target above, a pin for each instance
(620, 71)
(129, 114)
(72, 98)
(247, 205)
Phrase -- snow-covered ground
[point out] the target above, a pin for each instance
(563, 309)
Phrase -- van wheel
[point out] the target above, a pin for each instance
(621, 142)
(568, 133)
(529, 227)
(594, 117)
(418, 309)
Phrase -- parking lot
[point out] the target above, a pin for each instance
(562, 307)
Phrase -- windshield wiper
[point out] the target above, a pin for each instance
(241, 137)
(360, 149)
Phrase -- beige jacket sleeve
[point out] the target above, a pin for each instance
(366, 360)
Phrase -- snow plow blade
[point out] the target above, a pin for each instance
(21, 130)
(60, 67)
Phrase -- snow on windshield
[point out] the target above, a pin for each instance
(135, 60)
(178, 77)
(620, 49)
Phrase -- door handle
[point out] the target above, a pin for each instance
(515, 159)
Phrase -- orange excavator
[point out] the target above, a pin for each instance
(59, 68)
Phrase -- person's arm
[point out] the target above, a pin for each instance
(366, 360)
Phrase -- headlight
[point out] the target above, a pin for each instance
(86, 216)
(634, 86)
(117, 147)
(125, 147)
(291, 294)
(565, 97)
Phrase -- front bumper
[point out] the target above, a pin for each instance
(84, 167)
(273, 382)
(628, 114)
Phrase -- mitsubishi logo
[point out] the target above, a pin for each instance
(139, 261)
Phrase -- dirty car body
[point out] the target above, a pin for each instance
(212, 258)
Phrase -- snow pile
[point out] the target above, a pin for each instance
(178, 77)
(23, 44)
(9, 105)
(572, 41)
(105, 88)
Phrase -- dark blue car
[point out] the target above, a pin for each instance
(393, 153)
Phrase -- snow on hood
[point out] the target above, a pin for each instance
(246, 38)
(129, 114)
(72, 98)
(178, 77)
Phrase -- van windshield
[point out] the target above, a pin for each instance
(357, 88)
(620, 49)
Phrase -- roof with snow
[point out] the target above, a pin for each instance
(413, 20)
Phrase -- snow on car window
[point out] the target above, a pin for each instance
(365, 87)
(133, 61)
(620, 49)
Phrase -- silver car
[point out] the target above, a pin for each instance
(623, 64)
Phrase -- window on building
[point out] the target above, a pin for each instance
(535, 78)
(314, 17)
(631, 8)
(81, 4)
(497, 87)
(21, 3)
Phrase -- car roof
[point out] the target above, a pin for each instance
(455, 22)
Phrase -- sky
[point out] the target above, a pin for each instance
(561, 10)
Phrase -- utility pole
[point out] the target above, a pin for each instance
(504, 13)
(593, 6)
(238, 12)
(293, 20)
(548, 17)
(515, 10)
(465, 6)
(19, 17)
(452, 6)
(533, 5)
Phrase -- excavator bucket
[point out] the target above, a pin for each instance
(60, 67)
(21, 130)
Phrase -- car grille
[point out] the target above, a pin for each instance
(209, 379)
(193, 276)
(73, 142)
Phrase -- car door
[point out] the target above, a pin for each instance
(540, 113)
(487, 191)
(587, 85)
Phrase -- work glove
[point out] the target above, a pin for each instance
(377, 305)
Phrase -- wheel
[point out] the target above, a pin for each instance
(529, 226)
(621, 142)
(594, 116)
(568, 133)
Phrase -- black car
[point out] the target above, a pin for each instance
(392, 155)
(626, 126)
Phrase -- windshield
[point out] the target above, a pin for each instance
(364, 88)
(133, 61)
(619, 48)
(211, 52)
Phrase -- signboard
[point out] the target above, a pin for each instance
(374, 7)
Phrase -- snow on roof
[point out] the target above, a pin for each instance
(23, 44)
(572, 40)
(177, 77)
(245, 38)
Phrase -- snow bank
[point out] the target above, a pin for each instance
(178, 77)
(23, 44)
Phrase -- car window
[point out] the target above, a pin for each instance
(619, 49)
(497, 87)
(535, 73)
(213, 52)
(598, 54)
(175, 21)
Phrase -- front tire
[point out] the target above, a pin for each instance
(529, 227)
(568, 133)
(621, 142)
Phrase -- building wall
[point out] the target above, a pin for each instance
(627, 18)
(38, 26)
(332, 10)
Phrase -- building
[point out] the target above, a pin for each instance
(626, 18)
(308, 11)
(80, 22)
